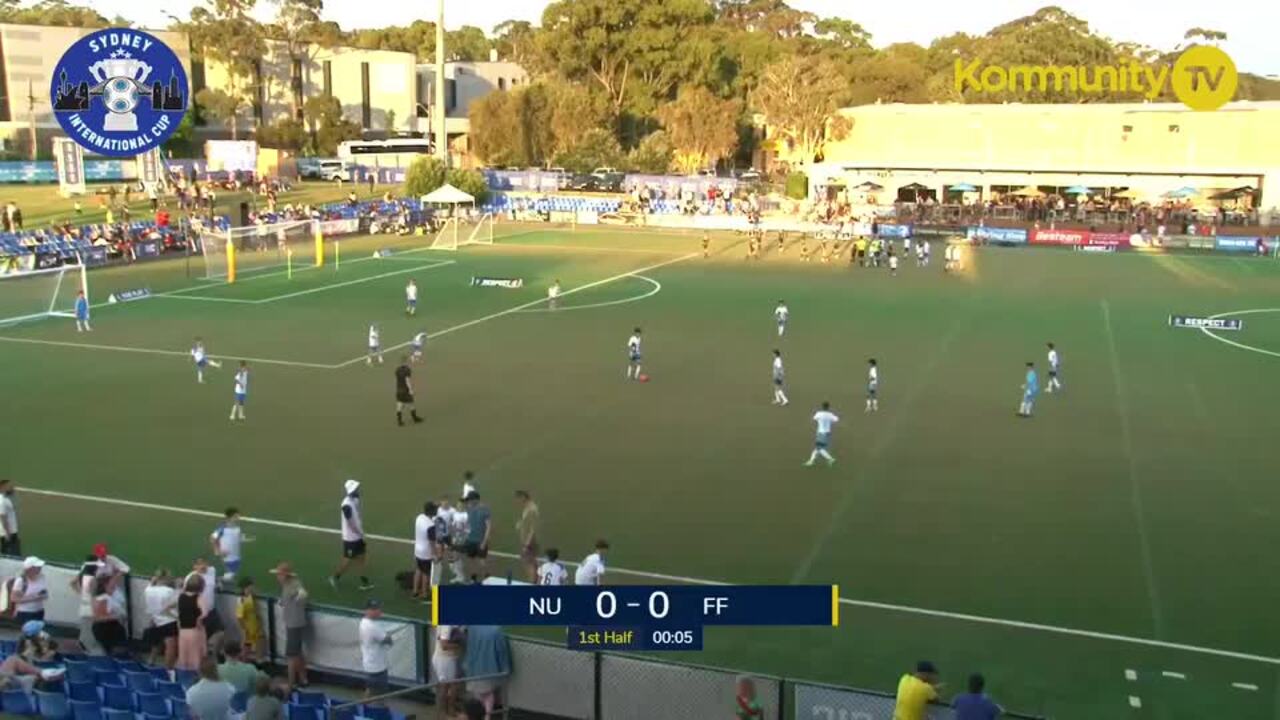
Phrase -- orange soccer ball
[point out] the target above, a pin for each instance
(643, 378)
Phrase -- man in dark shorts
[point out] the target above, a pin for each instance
(293, 606)
(476, 547)
(404, 392)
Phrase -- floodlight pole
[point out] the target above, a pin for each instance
(438, 117)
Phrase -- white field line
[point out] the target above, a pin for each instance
(1174, 675)
(1135, 701)
(1135, 489)
(586, 248)
(906, 609)
(202, 298)
(151, 351)
(1233, 343)
(657, 288)
(1245, 686)
(357, 281)
(522, 306)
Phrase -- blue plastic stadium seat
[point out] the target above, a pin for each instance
(17, 702)
(375, 712)
(103, 678)
(102, 662)
(186, 678)
(83, 692)
(85, 710)
(161, 674)
(53, 705)
(171, 690)
(318, 699)
(117, 698)
(239, 702)
(153, 704)
(180, 709)
(140, 682)
(306, 712)
(108, 714)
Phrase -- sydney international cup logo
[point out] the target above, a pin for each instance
(119, 92)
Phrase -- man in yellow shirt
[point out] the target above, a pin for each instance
(915, 692)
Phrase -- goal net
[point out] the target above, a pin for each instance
(455, 233)
(258, 248)
(41, 293)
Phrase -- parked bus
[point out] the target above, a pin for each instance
(389, 153)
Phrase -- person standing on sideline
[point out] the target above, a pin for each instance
(241, 391)
(553, 295)
(825, 420)
(161, 600)
(426, 551)
(1055, 367)
(375, 642)
(975, 704)
(293, 608)
(915, 692)
(1030, 388)
(479, 528)
(248, 621)
(29, 592)
(873, 386)
(633, 355)
(209, 619)
(83, 585)
(404, 393)
(354, 550)
(527, 530)
(82, 313)
(10, 544)
(591, 571)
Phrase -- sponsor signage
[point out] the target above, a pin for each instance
(69, 159)
(509, 283)
(1238, 244)
(129, 295)
(997, 235)
(47, 260)
(94, 256)
(893, 231)
(1060, 237)
(1097, 248)
(345, 226)
(1205, 323)
(146, 249)
(1111, 240)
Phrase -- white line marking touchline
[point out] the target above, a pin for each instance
(1135, 701)
(150, 351)
(1245, 686)
(522, 306)
(657, 288)
(1174, 675)
(1130, 675)
(311, 291)
(907, 609)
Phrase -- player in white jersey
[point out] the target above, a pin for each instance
(1055, 368)
(873, 386)
(354, 550)
(415, 346)
(779, 380)
(241, 390)
(553, 295)
(893, 262)
(825, 420)
(920, 251)
(201, 358)
(782, 314)
(591, 570)
(411, 298)
(375, 345)
(226, 541)
(426, 550)
(633, 356)
(552, 572)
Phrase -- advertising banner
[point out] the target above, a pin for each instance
(69, 159)
(1238, 244)
(885, 230)
(1202, 323)
(1115, 240)
(1059, 237)
(508, 283)
(47, 260)
(344, 226)
(146, 249)
(94, 256)
(998, 236)
(149, 167)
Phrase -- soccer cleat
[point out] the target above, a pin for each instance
(808, 463)
(333, 582)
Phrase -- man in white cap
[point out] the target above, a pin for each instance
(353, 547)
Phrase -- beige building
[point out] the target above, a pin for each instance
(1150, 148)
(465, 83)
(28, 54)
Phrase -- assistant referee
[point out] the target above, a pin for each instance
(404, 392)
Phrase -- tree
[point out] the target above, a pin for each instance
(595, 148)
(468, 43)
(703, 128)
(285, 133)
(53, 12)
(652, 155)
(845, 33)
(514, 41)
(471, 182)
(327, 124)
(223, 107)
(182, 143)
(302, 34)
(224, 32)
(800, 98)
(513, 128)
(1211, 37)
(575, 111)
(424, 175)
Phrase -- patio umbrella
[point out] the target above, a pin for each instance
(914, 186)
(963, 187)
(869, 186)
(1129, 194)
(1079, 190)
(1233, 194)
(1028, 191)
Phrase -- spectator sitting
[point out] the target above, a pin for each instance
(18, 674)
(975, 705)
(35, 645)
(242, 676)
(915, 692)
(266, 703)
(210, 698)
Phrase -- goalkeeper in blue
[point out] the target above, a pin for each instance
(201, 359)
(82, 313)
(1030, 388)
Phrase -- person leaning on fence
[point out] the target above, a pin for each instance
(915, 692)
(488, 658)
(192, 645)
(161, 600)
(445, 665)
(746, 705)
(29, 591)
(375, 643)
(108, 613)
(975, 705)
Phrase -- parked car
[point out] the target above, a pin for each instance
(309, 168)
(601, 172)
(336, 170)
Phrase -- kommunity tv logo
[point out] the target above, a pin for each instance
(1202, 78)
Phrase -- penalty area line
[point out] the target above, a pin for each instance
(153, 351)
(868, 604)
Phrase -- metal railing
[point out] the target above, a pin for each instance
(335, 712)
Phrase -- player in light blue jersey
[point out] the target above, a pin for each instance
(1030, 388)
(375, 345)
(825, 420)
(241, 391)
(873, 386)
(781, 314)
(201, 359)
(779, 379)
(82, 313)
(1055, 370)
(633, 356)
(415, 346)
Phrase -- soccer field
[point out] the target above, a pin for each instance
(1126, 527)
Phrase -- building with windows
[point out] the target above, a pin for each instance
(465, 83)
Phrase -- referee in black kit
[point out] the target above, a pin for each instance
(404, 392)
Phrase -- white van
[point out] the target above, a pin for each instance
(335, 170)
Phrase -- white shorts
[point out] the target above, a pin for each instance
(445, 667)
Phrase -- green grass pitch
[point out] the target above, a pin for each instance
(1139, 505)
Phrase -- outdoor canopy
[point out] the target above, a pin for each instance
(447, 195)
(1028, 191)
(962, 187)
(1079, 190)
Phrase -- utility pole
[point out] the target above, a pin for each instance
(31, 116)
(439, 112)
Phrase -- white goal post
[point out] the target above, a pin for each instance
(41, 293)
(258, 247)
(454, 233)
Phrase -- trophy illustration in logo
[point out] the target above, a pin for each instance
(120, 80)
